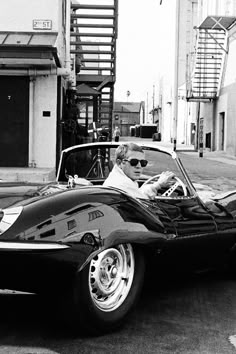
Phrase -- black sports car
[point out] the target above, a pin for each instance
(90, 244)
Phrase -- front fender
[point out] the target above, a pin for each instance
(134, 237)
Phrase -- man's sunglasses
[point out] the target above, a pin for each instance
(134, 162)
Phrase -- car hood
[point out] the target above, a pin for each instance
(85, 206)
(15, 193)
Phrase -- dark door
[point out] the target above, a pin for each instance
(14, 121)
(222, 130)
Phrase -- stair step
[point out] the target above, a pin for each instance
(86, 34)
(210, 43)
(205, 54)
(91, 21)
(90, 16)
(201, 82)
(93, 25)
(96, 68)
(93, 7)
(81, 51)
(88, 43)
(208, 66)
(99, 60)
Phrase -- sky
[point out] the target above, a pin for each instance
(145, 48)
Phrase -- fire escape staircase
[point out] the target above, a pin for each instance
(211, 50)
(93, 45)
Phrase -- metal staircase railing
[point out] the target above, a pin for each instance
(93, 43)
(210, 54)
(209, 64)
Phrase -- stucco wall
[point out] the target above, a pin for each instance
(231, 121)
(44, 128)
(21, 12)
(216, 7)
(17, 16)
(227, 104)
(230, 73)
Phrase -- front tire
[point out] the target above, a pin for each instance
(108, 288)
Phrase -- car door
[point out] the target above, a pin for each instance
(196, 243)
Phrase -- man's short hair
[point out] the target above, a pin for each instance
(122, 150)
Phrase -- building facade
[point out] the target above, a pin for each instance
(57, 76)
(128, 114)
(34, 75)
(206, 74)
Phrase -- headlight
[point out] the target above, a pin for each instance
(8, 217)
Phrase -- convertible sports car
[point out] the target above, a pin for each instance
(92, 246)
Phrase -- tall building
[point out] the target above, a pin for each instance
(206, 74)
(57, 75)
(34, 75)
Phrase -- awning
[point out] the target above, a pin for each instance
(28, 50)
(85, 90)
(218, 22)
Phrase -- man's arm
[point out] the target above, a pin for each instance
(165, 180)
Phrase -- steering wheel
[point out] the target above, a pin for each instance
(170, 190)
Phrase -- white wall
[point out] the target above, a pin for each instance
(230, 72)
(216, 8)
(221, 106)
(20, 14)
(167, 108)
(17, 16)
(44, 128)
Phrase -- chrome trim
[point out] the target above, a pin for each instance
(9, 217)
(4, 245)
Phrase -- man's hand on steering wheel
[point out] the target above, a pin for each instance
(165, 180)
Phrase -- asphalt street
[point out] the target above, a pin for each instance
(175, 315)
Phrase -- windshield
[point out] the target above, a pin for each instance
(94, 163)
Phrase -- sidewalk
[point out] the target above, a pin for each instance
(34, 175)
(220, 156)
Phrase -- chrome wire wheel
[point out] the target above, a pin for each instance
(111, 276)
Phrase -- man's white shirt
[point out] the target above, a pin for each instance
(118, 179)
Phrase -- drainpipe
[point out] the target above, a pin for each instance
(68, 19)
(176, 77)
(31, 123)
(65, 72)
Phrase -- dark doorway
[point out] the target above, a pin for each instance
(192, 133)
(14, 120)
(208, 140)
(221, 130)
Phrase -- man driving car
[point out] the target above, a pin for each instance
(129, 164)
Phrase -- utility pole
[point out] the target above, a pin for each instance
(147, 109)
(153, 104)
(176, 74)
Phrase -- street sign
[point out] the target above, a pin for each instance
(42, 24)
